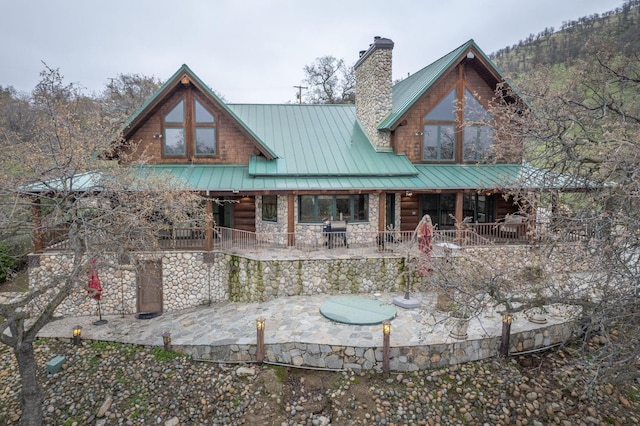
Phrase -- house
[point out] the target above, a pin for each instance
(401, 152)
(422, 146)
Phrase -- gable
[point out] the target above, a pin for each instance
(410, 90)
(236, 142)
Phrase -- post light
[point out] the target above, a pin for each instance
(166, 340)
(386, 331)
(260, 340)
(386, 328)
(77, 332)
(507, 319)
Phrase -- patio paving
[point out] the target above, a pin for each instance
(287, 319)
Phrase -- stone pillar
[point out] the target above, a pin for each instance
(373, 90)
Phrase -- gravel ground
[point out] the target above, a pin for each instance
(114, 384)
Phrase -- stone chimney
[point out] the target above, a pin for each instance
(373, 90)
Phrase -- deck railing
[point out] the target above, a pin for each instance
(357, 242)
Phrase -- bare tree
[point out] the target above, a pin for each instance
(102, 207)
(127, 92)
(582, 125)
(330, 81)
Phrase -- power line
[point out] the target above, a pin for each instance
(300, 92)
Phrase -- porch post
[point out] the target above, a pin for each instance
(208, 236)
(459, 205)
(291, 225)
(36, 218)
(459, 218)
(382, 211)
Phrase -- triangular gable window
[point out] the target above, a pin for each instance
(445, 110)
(189, 129)
(176, 115)
(439, 130)
(478, 129)
(444, 135)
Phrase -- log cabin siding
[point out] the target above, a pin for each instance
(244, 214)
(232, 144)
(407, 137)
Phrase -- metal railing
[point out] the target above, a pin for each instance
(354, 241)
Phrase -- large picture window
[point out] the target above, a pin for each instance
(446, 138)
(439, 133)
(316, 208)
(189, 129)
(478, 133)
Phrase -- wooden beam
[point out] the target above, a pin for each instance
(382, 211)
(36, 218)
(208, 236)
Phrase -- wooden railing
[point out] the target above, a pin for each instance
(501, 233)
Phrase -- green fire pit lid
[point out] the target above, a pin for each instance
(357, 310)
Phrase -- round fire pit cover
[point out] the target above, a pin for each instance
(357, 310)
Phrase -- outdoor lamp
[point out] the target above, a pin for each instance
(77, 331)
(386, 328)
(260, 324)
(166, 340)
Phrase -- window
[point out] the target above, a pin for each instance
(440, 130)
(316, 208)
(478, 135)
(441, 208)
(270, 208)
(447, 139)
(478, 208)
(189, 129)
(439, 142)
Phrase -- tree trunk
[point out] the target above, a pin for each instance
(31, 391)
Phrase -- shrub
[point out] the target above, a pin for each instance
(8, 262)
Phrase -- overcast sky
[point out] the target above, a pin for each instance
(253, 51)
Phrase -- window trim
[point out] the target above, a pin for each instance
(189, 125)
(460, 124)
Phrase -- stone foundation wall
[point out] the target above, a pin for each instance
(196, 278)
(402, 359)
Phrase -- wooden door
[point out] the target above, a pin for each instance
(150, 287)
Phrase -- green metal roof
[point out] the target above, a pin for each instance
(406, 92)
(316, 140)
(236, 178)
(174, 79)
(223, 178)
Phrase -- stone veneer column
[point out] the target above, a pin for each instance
(373, 90)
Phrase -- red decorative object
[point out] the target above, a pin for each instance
(95, 289)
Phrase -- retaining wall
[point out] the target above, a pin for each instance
(402, 358)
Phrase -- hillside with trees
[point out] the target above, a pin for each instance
(617, 30)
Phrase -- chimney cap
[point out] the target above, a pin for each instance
(378, 43)
(382, 42)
